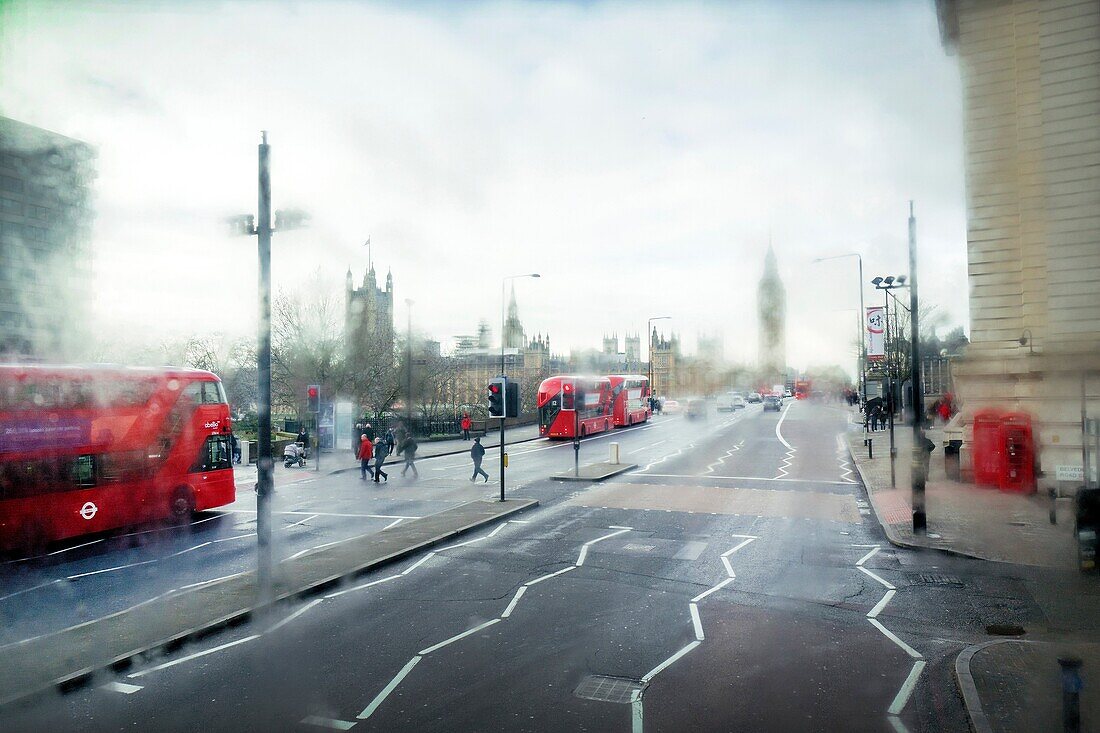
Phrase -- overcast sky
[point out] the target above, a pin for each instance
(638, 155)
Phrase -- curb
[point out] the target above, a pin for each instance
(623, 468)
(79, 678)
(888, 530)
(979, 722)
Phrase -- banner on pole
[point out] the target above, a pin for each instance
(875, 333)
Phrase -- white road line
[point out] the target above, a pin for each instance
(294, 615)
(868, 556)
(339, 593)
(520, 521)
(779, 426)
(182, 552)
(493, 533)
(326, 514)
(670, 661)
(456, 637)
(696, 621)
(636, 716)
(550, 575)
(110, 570)
(874, 612)
(74, 547)
(747, 478)
(892, 637)
(895, 721)
(189, 657)
(515, 599)
(208, 582)
(394, 523)
(235, 537)
(707, 592)
(122, 687)
(28, 590)
(907, 688)
(302, 521)
(618, 526)
(729, 567)
(418, 563)
(646, 447)
(381, 697)
(886, 585)
(332, 723)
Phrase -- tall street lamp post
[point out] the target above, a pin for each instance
(503, 457)
(262, 227)
(861, 319)
(921, 447)
(409, 364)
(649, 335)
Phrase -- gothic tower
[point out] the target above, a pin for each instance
(513, 335)
(771, 306)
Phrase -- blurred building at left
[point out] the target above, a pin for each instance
(45, 231)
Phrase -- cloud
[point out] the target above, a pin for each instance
(639, 156)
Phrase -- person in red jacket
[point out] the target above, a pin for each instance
(466, 423)
(366, 452)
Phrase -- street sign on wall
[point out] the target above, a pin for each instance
(875, 333)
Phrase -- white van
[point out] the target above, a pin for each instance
(730, 401)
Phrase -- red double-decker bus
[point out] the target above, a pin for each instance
(88, 449)
(573, 405)
(629, 399)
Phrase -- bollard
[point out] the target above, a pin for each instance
(1071, 694)
(614, 458)
(869, 442)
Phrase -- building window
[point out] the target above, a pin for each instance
(7, 183)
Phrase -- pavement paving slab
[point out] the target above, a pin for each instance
(963, 519)
(1018, 684)
(38, 664)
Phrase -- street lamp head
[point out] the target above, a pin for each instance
(877, 281)
(889, 280)
(535, 274)
(901, 279)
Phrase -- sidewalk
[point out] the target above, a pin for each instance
(1020, 684)
(73, 655)
(962, 518)
(342, 460)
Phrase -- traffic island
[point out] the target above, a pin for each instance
(72, 656)
(595, 472)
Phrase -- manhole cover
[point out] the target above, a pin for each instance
(935, 579)
(607, 689)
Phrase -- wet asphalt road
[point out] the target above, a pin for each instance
(734, 582)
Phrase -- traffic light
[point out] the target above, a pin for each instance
(313, 398)
(511, 399)
(496, 397)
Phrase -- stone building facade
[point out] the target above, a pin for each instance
(771, 306)
(368, 315)
(45, 230)
(1031, 86)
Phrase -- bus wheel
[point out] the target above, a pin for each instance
(182, 504)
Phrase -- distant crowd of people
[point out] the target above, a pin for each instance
(877, 410)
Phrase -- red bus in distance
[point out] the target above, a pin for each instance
(629, 399)
(574, 406)
(88, 449)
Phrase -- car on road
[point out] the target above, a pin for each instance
(730, 401)
(696, 409)
(788, 393)
(773, 402)
(670, 407)
(753, 398)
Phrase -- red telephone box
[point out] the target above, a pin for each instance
(1019, 454)
(989, 447)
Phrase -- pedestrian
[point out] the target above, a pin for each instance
(389, 441)
(370, 432)
(874, 418)
(366, 452)
(379, 460)
(408, 449)
(236, 443)
(477, 452)
(467, 423)
(303, 437)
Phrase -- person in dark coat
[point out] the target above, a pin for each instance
(408, 449)
(477, 452)
(389, 441)
(366, 452)
(379, 460)
(369, 432)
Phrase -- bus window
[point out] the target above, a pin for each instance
(213, 393)
(214, 454)
(82, 471)
(128, 466)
